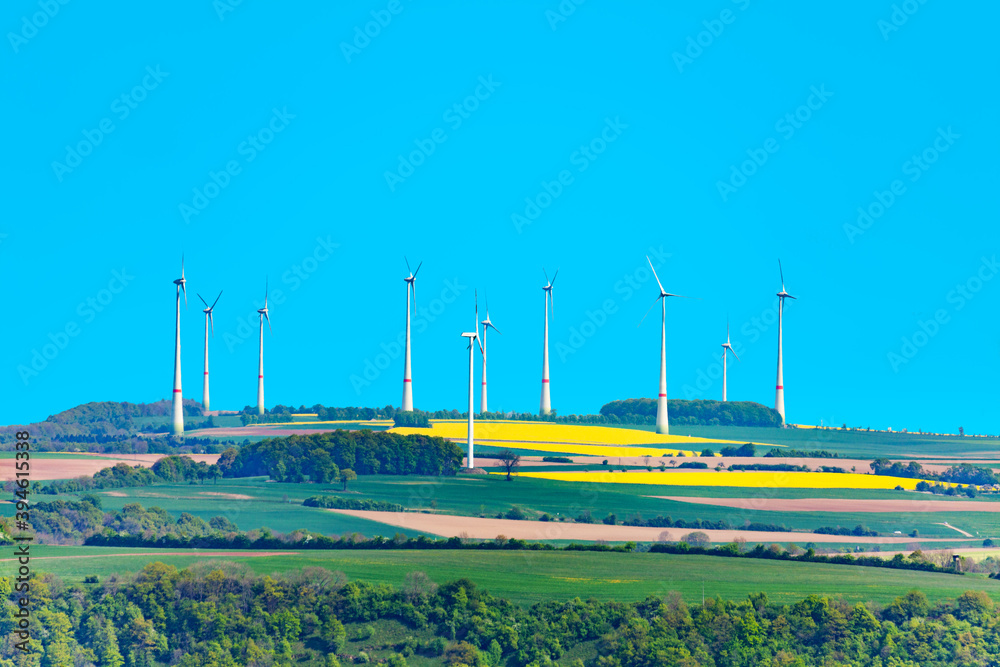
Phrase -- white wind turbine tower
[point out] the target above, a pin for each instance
(473, 336)
(726, 347)
(486, 325)
(779, 392)
(178, 398)
(662, 421)
(262, 315)
(411, 286)
(546, 403)
(208, 321)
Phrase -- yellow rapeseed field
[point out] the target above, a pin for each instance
(751, 479)
(583, 440)
(373, 422)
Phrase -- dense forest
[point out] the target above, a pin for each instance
(72, 521)
(166, 470)
(319, 457)
(218, 614)
(707, 413)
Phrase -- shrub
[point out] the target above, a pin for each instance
(339, 503)
(515, 513)
(697, 539)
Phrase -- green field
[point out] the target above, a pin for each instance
(560, 575)
(278, 505)
(851, 444)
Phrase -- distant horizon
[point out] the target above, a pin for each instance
(850, 427)
(268, 148)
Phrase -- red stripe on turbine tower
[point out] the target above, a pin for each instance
(177, 391)
(407, 380)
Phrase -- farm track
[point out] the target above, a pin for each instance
(488, 529)
(918, 504)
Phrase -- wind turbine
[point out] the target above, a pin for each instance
(178, 399)
(262, 315)
(726, 347)
(208, 321)
(662, 421)
(411, 286)
(473, 336)
(486, 325)
(779, 392)
(546, 404)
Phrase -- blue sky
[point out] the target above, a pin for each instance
(279, 142)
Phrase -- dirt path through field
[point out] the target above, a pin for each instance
(487, 529)
(948, 525)
(902, 505)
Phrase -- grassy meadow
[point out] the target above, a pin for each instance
(255, 503)
(556, 575)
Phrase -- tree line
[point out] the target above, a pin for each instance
(706, 413)
(218, 614)
(963, 473)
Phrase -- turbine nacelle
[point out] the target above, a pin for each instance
(208, 309)
(783, 294)
(549, 295)
(664, 294)
(181, 282)
(413, 274)
(262, 312)
(487, 324)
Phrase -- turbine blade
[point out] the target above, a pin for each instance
(413, 286)
(418, 269)
(184, 289)
(266, 282)
(547, 281)
(495, 329)
(211, 321)
(647, 312)
(554, 277)
(217, 299)
(735, 355)
(268, 318)
(782, 276)
(408, 269)
(481, 350)
(552, 298)
(655, 276)
(202, 300)
(182, 265)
